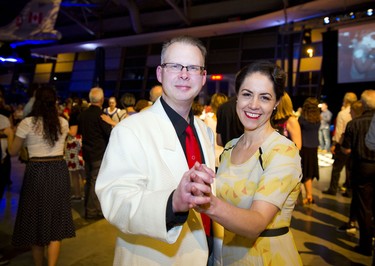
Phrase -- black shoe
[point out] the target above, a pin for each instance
(362, 251)
(347, 227)
(346, 194)
(329, 192)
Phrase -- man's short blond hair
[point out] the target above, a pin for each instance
(349, 98)
(368, 99)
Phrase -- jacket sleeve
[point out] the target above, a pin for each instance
(370, 136)
(133, 186)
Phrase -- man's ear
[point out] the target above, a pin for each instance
(159, 75)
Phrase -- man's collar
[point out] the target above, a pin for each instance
(178, 121)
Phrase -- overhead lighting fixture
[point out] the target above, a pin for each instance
(36, 55)
(11, 59)
(339, 18)
(7, 54)
(90, 46)
(217, 77)
(310, 52)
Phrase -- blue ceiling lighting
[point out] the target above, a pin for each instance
(70, 4)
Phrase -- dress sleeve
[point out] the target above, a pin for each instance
(282, 172)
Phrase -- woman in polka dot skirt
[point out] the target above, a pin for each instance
(44, 214)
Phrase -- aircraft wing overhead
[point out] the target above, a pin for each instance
(36, 21)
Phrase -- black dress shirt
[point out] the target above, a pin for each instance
(180, 124)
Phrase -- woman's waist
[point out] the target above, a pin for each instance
(46, 158)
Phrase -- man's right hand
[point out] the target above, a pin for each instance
(194, 189)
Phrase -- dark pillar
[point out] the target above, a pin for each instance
(99, 73)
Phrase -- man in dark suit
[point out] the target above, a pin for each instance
(95, 135)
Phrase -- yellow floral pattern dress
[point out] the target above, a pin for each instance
(272, 174)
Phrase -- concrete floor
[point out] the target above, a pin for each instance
(314, 229)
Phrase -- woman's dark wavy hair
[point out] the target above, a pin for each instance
(310, 110)
(45, 108)
(269, 69)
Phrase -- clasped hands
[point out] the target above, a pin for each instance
(194, 189)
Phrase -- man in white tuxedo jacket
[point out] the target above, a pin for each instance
(145, 185)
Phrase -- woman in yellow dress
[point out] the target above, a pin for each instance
(258, 181)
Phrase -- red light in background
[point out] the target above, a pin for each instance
(216, 77)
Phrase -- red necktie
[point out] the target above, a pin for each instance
(193, 154)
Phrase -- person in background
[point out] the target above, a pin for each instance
(31, 93)
(144, 183)
(113, 115)
(298, 112)
(356, 109)
(370, 143)
(18, 114)
(324, 130)
(128, 102)
(95, 135)
(155, 92)
(285, 122)
(363, 160)
(217, 99)
(67, 108)
(258, 180)
(5, 163)
(309, 122)
(73, 153)
(44, 216)
(112, 109)
(197, 108)
(228, 124)
(141, 104)
(5, 168)
(340, 159)
(7, 111)
(370, 136)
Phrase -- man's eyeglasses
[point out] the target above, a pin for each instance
(177, 68)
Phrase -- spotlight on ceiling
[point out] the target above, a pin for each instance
(326, 20)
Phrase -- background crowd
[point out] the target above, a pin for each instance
(262, 153)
